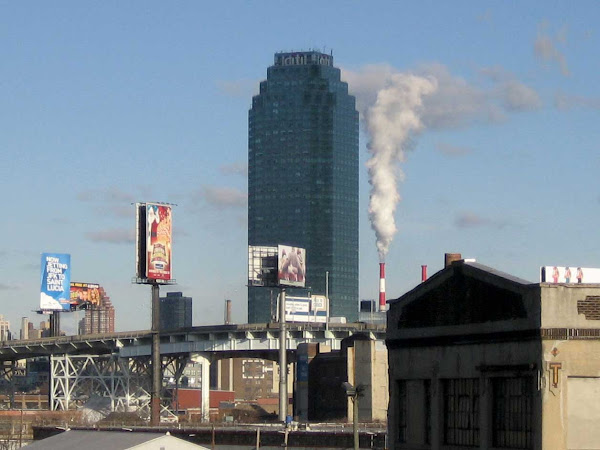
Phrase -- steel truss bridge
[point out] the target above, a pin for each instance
(115, 369)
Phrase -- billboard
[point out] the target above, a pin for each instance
(262, 266)
(84, 295)
(55, 282)
(566, 274)
(306, 309)
(154, 238)
(291, 266)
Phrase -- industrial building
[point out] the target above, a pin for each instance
(303, 177)
(175, 311)
(482, 359)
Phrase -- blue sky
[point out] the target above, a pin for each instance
(109, 103)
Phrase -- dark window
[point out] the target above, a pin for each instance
(512, 407)
(461, 412)
(401, 396)
(427, 410)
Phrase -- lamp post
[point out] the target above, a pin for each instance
(353, 393)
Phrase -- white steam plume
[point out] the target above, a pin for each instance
(391, 120)
(396, 106)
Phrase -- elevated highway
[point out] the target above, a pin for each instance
(230, 340)
(118, 364)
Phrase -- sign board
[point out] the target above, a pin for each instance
(55, 282)
(301, 309)
(84, 295)
(291, 265)
(569, 274)
(154, 239)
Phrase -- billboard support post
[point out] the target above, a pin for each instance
(283, 394)
(55, 324)
(156, 359)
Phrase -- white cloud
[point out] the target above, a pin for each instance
(108, 195)
(566, 101)
(239, 88)
(238, 168)
(469, 219)
(112, 236)
(546, 50)
(453, 150)
(222, 197)
(456, 102)
(518, 97)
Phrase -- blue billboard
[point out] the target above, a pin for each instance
(55, 291)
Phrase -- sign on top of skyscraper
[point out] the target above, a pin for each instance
(303, 58)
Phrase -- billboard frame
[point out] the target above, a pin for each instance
(144, 239)
(55, 282)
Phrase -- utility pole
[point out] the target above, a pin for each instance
(156, 359)
(283, 394)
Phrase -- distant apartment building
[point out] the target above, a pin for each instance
(175, 311)
(24, 334)
(4, 329)
(100, 318)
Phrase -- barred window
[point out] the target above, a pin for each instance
(461, 412)
(402, 412)
(512, 412)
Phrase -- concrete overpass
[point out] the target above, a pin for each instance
(118, 364)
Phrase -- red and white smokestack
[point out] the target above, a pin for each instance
(423, 274)
(382, 286)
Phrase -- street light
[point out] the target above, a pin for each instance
(353, 393)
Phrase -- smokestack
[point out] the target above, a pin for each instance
(449, 258)
(382, 286)
(423, 274)
(227, 312)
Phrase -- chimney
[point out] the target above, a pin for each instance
(382, 287)
(449, 258)
(423, 274)
(227, 312)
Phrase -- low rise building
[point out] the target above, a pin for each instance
(482, 359)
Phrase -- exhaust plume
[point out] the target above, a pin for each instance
(396, 106)
(395, 116)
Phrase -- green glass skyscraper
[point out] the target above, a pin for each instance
(303, 177)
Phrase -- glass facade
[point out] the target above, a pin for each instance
(303, 177)
(175, 311)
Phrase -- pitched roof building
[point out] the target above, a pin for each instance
(479, 358)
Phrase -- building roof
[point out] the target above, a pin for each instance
(115, 440)
(480, 270)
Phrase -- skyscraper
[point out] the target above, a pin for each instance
(175, 311)
(303, 177)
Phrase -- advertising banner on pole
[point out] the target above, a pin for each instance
(292, 266)
(159, 241)
(55, 285)
(83, 295)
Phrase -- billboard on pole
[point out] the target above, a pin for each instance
(159, 238)
(55, 283)
(83, 295)
(306, 309)
(154, 238)
(291, 266)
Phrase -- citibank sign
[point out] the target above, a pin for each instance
(299, 59)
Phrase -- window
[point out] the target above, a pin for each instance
(401, 397)
(512, 412)
(427, 410)
(461, 412)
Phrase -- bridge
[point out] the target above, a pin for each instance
(117, 366)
